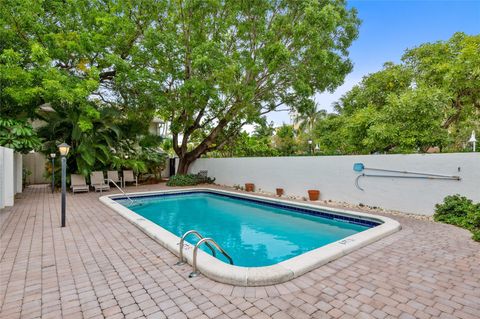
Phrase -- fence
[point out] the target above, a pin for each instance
(335, 178)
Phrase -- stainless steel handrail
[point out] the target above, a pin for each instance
(121, 190)
(181, 260)
(194, 272)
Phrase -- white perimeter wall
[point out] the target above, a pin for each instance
(335, 178)
(10, 176)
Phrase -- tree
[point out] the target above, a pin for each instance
(431, 99)
(76, 57)
(308, 117)
(219, 65)
(284, 140)
(258, 143)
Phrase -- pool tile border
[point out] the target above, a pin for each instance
(290, 207)
(258, 276)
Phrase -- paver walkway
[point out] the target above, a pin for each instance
(100, 265)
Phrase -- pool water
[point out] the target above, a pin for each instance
(253, 233)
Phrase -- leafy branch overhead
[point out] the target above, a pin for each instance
(18, 135)
(224, 64)
(208, 67)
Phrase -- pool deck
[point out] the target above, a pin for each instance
(100, 266)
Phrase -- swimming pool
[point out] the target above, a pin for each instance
(269, 240)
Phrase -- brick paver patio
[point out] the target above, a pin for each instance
(102, 266)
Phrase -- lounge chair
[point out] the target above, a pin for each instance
(98, 181)
(113, 176)
(78, 183)
(128, 176)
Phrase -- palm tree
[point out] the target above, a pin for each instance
(308, 117)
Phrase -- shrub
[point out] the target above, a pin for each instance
(189, 180)
(460, 211)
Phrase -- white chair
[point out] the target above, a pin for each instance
(98, 181)
(128, 176)
(78, 183)
(113, 176)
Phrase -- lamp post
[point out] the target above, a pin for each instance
(52, 156)
(473, 140)
(310, 142)
(64, 148)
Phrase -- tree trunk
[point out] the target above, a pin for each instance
(184, 164)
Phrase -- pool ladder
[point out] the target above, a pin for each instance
(207, 241)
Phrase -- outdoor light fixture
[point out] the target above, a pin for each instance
(473, 140)
(52, 156)
(64, 148)
(310, 142)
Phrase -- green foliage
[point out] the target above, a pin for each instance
(208, 67)
(460, 211)
(188, 180)
(18, 135)
(431, 99)
(76, 57)
(259, 143)
(284, 140)
(224, 64)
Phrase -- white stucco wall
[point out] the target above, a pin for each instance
(335, 178)
(7, 182)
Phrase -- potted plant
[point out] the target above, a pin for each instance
(313, 194)
(279, 192)
(249, 187)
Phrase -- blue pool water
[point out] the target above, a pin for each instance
(253, 233)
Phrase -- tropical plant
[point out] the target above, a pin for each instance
(92, 135)
(18, 135)
(306, 118)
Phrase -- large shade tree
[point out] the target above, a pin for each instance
(208, 67)
(215, 66)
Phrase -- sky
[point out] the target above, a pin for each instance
(391, 26)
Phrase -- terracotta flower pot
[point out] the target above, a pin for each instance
(249, 187)
(313, 194)
(279, 192)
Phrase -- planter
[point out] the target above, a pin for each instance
(279, 192)
(313, 194)
(249, 187)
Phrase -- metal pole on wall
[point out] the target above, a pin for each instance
(64, 149)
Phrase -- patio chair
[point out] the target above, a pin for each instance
(98, 181)
(78, 183)
(113, 176)
(128, 176)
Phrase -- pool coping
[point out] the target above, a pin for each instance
(284, 271)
